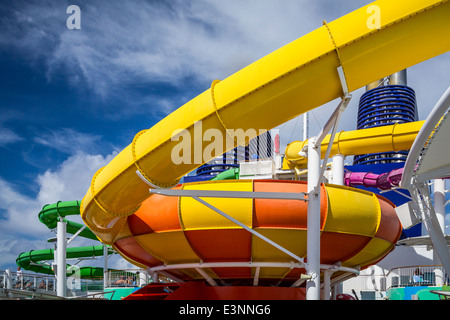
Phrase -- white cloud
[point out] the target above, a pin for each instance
(20, 228)
(8, 136)
(122, 44)
(69, 141)
(72, 179)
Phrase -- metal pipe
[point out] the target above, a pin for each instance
(61, 259)
(439, 208)
(338, 178)
(374, 84)
(313, 223)
(8, 281)
(399, 78)
(327, 284)
(105, 266)
(250, 229)
(338, 169)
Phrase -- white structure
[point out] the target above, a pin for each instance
(427, 164)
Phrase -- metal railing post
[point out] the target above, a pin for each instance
(313, 222)
(439, 208)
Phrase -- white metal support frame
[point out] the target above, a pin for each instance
(313, 222)
(207, 277)
(75, 235)
(242, 264)
(431, 223)
(338, 179)
(61, 257)
(338, 169)
(331, 124)
(315, 178)
(417, 184)
(196, 194)
(439, 208)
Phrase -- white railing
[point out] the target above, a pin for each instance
(417, 276)
(375, 286)
(47, 283)
(128, 278)
(27, 281)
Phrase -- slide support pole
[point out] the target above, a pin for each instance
(439, 208)
(313, 223)
(61, 258)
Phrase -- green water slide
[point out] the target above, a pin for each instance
(229, 174)
(50, 214)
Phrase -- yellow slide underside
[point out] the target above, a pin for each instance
(290, 81)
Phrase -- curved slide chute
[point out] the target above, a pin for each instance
(290, 81)
(399, 136)
(384, 181)
(49, 215)
(178, 230)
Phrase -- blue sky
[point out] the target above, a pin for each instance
(72, 99)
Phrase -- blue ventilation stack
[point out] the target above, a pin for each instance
(383, 105)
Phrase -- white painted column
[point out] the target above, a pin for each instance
(105, 266)
(338, 178)
(155, 277)
(338, 169)
(313, 223)
(326, 284)
(8, 281)
(439, 208)
(61, 259)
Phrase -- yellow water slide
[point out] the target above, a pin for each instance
(294, 79)
(394, 137)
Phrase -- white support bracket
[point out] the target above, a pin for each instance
(315, 178)
(231, 194)
(421, 195)
(75, 235)
(154, 186)
(196, 194)
(331, 124)
(250, 230)
(395, 189)
(207, 277)
(256, 277)
(303, 278)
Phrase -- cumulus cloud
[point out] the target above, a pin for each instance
(72, 179)
(125, 45)
(20, 229)
(138, 45)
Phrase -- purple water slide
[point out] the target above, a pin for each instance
(382, 181)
